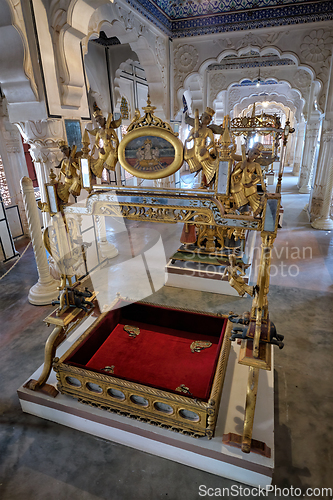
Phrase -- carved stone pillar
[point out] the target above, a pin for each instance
(45, 290)
(107, 249)
(325, 222)
(290, 154)
(299, 145)
(14, 164)
(311, 137)
(322, 172)
(43, 137)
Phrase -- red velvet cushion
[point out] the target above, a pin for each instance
(159, 357)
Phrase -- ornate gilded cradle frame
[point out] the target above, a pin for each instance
(158, 407)
(163, 205)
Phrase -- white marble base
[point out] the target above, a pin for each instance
(304, 189)
(42, 295)
(208, 455)
(108, 250)
(203, 284)
(323, 223)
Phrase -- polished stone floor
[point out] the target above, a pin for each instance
(42, 460)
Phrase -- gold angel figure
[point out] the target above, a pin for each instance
(245, 177)
(236, 277)
(70, 170)
(203, 155)
(106, 142)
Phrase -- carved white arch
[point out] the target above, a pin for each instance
(291, 100)
(290, 96)
(292, 69)
(273, 106)
(85, 19)
(16, 73)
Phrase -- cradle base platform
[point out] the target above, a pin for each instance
(210, 455)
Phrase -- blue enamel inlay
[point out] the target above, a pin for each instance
(182, 19)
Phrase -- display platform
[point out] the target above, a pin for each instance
(212, 456)
(204, 273)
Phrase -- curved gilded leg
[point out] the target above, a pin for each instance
(250, 406)
(51, 345)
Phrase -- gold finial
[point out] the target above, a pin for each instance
(85, 138)
(149, 108)
(62, 144)
(52, 176)
(97, 110)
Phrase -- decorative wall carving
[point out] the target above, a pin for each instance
(234, 97)
(269, 72)
(259, 40)
(162, 58)
(127, 17)
(316, 46)
(185, 60)
(302, 79)
(323, 72)
(43, 137)
(217, 83)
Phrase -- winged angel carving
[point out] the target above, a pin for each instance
(106, 142)
(203, 155)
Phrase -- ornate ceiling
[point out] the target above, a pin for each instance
(182, 18)
(190, 8)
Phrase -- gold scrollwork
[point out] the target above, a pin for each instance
(133, 331)
(200, 345)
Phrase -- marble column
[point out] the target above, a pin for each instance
(13, 159)
(325, 222)
(45, 290)
(43, 137)
(299, 145)
(107, 249)
(291, 147)
(323, 168)
(310, 145)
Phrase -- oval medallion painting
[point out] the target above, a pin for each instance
(151, 153)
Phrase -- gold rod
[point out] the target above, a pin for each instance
(250, 406)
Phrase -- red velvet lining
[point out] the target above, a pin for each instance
(159, 356)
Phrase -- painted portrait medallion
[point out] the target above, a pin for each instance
(151, 153)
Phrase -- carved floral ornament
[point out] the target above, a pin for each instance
(162, 58)
(186, 58)
(217, 83)
(302, 79)
(316, 46)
